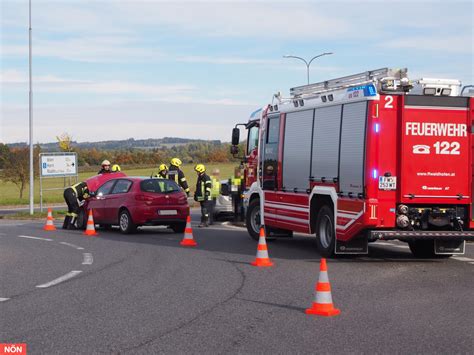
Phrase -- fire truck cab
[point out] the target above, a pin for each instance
(366, 157)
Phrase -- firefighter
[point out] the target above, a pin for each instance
(116, 168)
(203, 193)
(236, 190)
(73, 196)
(162, 172)
(177, 175)
(105, 167)
(216, 190)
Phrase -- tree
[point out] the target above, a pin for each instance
(65, 142)
(4, 152)
(16, 168)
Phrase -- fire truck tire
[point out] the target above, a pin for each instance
(252, 219)
(424, 249)
(325, 235)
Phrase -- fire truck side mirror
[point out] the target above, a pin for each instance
(235, 136)
(234, 149)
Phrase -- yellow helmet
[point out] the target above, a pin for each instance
(176, 162)
(200, 168)
(116, 168)
(162, 167)
(105, 162)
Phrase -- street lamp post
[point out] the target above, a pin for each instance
(31, 119)
(306, 62)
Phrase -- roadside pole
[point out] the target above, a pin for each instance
(31, 121)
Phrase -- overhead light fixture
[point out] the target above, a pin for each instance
(429, 91)
(446, 92)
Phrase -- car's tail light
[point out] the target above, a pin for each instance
(141, 197)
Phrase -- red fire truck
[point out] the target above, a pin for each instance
(366, 157)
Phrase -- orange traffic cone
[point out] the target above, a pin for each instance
(262, 258)
(90, 229)
(322, 305)
(188, 240)
(49, 226)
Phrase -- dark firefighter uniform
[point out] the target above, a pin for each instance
(203, 193)
(177, 175)
(73, 195)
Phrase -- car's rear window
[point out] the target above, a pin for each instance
(159, 186)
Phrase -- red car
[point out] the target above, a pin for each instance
(130, 202)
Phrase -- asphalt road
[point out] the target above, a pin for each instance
(144, 293)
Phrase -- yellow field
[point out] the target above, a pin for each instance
(9, 193)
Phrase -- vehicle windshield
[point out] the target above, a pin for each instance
(159, 186)
(252, 140)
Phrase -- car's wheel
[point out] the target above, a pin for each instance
(253, 221)
(178, 227)
(125, 222)
(325, 233)
(81, 219)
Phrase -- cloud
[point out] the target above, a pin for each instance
(99, 49)
(460, 43)
(115, 89)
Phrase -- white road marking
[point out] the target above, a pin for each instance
(401, 246)
(68, 276)
(3, 299)
(88, 259)
(461, 258)
(38, 238)
(228, 226)
(72, 245)
(471, 262)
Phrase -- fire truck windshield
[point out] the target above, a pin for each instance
(252, 141)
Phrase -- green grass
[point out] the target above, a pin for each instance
(9, 193)
(37, 215)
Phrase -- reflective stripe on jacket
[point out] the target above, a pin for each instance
(177, 176)
(203, 187)
(81, 190)
(216, 188)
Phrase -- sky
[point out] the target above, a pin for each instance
(112, 69)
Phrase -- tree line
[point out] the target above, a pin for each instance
(14, 161)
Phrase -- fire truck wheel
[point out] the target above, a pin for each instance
(325, 238)
(424, 249)
(253, 221)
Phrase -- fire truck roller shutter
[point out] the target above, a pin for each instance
(327, 128)
(351, 164)
(297, 150)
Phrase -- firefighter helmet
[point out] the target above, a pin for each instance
(200, 168)
(116, 168)
(105, 162)
(162, 167)
(176, 162)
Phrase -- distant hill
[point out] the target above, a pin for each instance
(131, 143)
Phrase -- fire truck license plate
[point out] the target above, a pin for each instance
(387, 182)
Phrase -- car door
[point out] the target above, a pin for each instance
(97, 203)
(116, 199)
